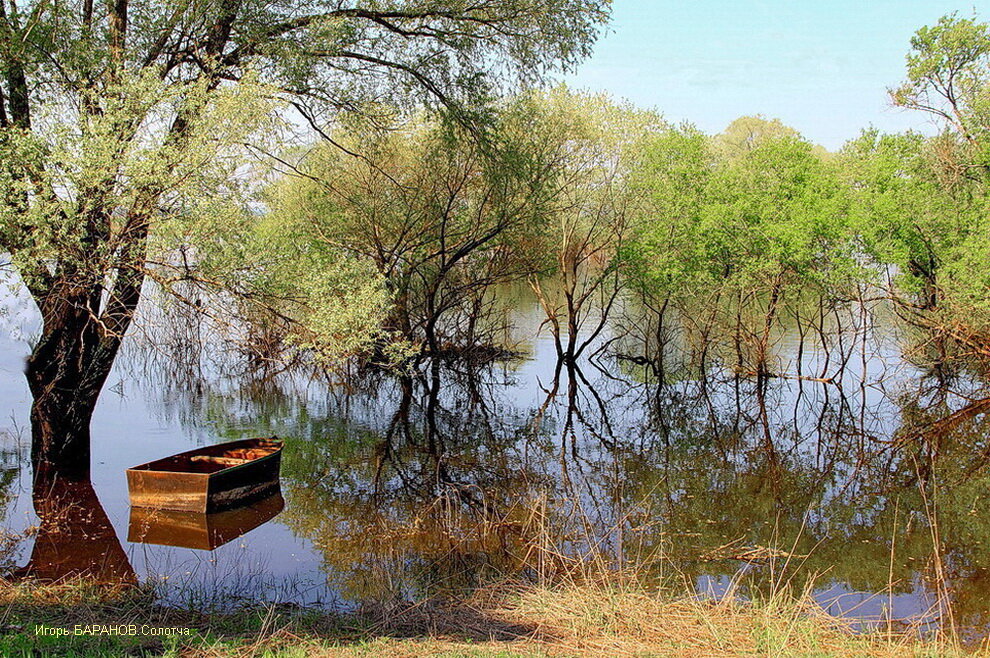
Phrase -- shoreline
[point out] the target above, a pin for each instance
(80, 619)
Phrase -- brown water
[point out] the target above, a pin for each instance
(404, 487)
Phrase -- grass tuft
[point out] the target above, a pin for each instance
(509, 619)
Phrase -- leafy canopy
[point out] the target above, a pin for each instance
(127, 126)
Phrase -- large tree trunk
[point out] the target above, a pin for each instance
(65, 373)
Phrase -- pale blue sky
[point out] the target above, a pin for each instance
(821, 66)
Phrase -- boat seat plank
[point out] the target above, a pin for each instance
(228, 461)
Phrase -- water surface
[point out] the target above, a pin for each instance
(436, 481)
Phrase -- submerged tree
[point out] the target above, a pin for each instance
(723, 234)
(121, 122)
(664, 261)
(905, 217)
(588, 144)
(775, 219)
(922, 200)
(429, 215)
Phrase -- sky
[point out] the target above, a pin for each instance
(820, 66)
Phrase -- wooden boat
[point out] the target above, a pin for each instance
(208, 479)
(206, 532)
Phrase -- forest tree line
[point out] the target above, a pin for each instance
(390, 242)
(357, 178)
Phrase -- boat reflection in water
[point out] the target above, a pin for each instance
(199, 530)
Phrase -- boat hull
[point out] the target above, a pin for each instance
(221, 483)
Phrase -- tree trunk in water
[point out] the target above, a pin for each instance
(761, 369)
(65, 373)
(926, 271)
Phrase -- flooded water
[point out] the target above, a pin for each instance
(868, 486)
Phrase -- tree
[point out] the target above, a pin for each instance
(905, 217)
(118, 119)
(776, 217)
(928, 235)
(947, 76)
(736, 221)
(427, 211)
(664, 262)
(747, 133)
(588, 142)
(926, 198)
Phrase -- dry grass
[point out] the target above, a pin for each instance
(592, 622)
(580, 605)
(507, 620)
(607, 621)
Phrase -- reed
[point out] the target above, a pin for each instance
(576, 602)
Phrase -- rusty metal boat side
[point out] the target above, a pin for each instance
(208, 479)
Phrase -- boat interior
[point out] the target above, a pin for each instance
(214, 458)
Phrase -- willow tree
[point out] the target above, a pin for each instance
(118, 118)
(774, 219)
(665, 263)
(932, 193)
(428, 214)
(587, 143)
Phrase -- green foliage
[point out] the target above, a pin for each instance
(713, 220)
(930, 232)
(947, 75)
(587, 144)
(730, 230)
(67, 186)
(426, 218)
(778, 210)
(339, 300)
(671, 174)
(905, 217)
(936, 220)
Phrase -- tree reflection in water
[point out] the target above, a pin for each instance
(74, 538)
(448, 476)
